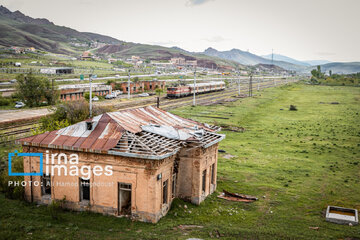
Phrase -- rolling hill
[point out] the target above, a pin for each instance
(248, 58)
(279, 57)
(341, 67)
(16, 29)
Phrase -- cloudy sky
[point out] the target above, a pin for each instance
(302, 29)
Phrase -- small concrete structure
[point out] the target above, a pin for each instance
(342, 215)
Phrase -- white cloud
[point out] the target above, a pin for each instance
(215, 39)
(197, 2)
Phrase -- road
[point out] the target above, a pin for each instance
(119, 77)
(19, 115)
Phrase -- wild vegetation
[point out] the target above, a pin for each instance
(68, 113)
(331, 79)
(296, 162)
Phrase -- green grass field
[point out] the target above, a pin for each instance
(296, 162)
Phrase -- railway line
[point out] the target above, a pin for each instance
(9, 133)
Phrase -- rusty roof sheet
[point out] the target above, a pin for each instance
(109, 128)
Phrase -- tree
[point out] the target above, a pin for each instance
(135, 79)
(34, 89)
(316, 75)
(158, 91)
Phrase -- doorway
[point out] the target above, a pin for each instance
(124, 198)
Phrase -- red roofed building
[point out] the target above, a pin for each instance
(155, 156)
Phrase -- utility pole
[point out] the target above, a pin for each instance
(250, 86)
(239, 83)
(194, 100)
(129, 89)
(258, 84)
(274, 82)
(90, 95)
(52, 91)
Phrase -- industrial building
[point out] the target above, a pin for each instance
(77, 91)
(57, 70)
(141, 86)
(156, 156)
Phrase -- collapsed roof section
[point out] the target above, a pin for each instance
(149, 133)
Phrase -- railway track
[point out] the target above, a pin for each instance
(9, 133)
(205, 98)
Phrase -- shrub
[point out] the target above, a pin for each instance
(4, 101)
(11, 191)
(293, 108)
(54, 209)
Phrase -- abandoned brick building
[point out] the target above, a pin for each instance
(155, 156)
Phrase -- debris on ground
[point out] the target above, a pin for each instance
(221, 151)
(314, 228)
(216, 233)
(232, 128)
(228, 156)
(329, 103)
(187, 227)
(237, 197)
(292, 108)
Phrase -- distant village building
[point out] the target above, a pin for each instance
(191, 63)
(178, 61)
(183, 62)
(135, 58)
(155, 157)
(86, 56)
(57, 70)
(112, 60)
(22, 50)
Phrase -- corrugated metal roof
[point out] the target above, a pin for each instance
(109, 128)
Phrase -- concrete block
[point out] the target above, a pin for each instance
(342, 215)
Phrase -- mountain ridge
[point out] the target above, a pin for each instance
(248, 58)
(17, 29)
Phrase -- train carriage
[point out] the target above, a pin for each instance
(182, 91)
(176, 92)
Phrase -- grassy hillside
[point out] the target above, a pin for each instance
(154, 52)
(296, 162)
(17, 29)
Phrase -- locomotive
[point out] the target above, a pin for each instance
(182, 91)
